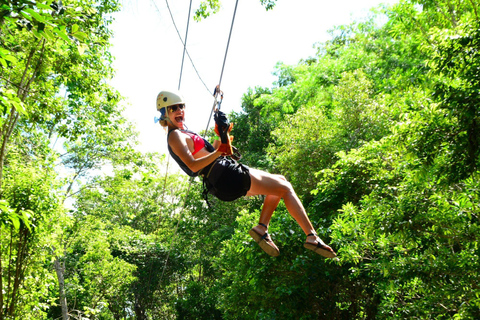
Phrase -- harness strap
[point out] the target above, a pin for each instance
(205, 179)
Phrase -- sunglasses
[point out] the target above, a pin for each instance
(175, 107)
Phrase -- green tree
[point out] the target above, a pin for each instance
(30, 192)
(410, 222)
(55, 61)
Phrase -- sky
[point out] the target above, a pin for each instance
(148, 52)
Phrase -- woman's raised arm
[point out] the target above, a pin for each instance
(178, 143)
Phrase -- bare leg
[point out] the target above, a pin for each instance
(276, 187)
(269, 205)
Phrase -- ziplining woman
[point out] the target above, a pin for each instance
(229, 180)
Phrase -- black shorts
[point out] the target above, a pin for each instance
(227, 179)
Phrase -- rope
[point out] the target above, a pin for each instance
(179, 79)
(168, 156)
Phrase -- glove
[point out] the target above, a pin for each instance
(220, 118)
(222, 126)
(222, 129)
(226, 134)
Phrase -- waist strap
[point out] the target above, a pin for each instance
(205, 172)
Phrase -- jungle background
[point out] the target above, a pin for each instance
(378, 132)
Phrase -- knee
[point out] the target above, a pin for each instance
(285, 184)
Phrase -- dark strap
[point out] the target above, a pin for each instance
(263, 225)
(205, 194)
(205, 173)
(312, 234)
(236, 154)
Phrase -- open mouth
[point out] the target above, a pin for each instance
(179, 119)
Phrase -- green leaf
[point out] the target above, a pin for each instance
(48, 34)
(81, 48)
(15, 221)
(62, 35)
(35, 15)
(43, 6)
(26, 215)
(26, 15)
(37, 34)
(80, 35)
(10, 58)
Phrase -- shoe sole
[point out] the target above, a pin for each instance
(323, 252)
(271, 251)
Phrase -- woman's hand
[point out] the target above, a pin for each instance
(225, 149)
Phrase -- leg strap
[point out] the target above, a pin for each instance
(263, 225)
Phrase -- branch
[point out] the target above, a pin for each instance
(474, 9)
(1, 278)
(452, 18)
(13, 84)
(27, 65)
(35, 72)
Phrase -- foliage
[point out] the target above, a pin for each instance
(208, 7)
(390, 129)
(197, 302)
(54, 62)
(26, 241)
(456, 60)
(94, 276)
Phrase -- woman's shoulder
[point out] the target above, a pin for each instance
(176, 135)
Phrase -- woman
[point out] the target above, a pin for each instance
(229, 180)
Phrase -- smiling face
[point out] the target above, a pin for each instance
(176, 114)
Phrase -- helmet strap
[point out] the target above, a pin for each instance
(164, 114)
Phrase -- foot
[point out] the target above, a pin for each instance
(316, 244)
(260, 235)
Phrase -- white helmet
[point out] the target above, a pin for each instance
(168, 98)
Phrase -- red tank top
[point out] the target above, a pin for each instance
(198, 142)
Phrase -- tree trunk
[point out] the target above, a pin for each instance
(139, 310)
(22, 94)
(1, 281)
(59, 269)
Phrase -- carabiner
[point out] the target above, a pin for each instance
(217, 92)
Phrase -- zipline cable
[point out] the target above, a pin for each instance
(184, 45)
(181, 40)
(223, 66)
(228, 43)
